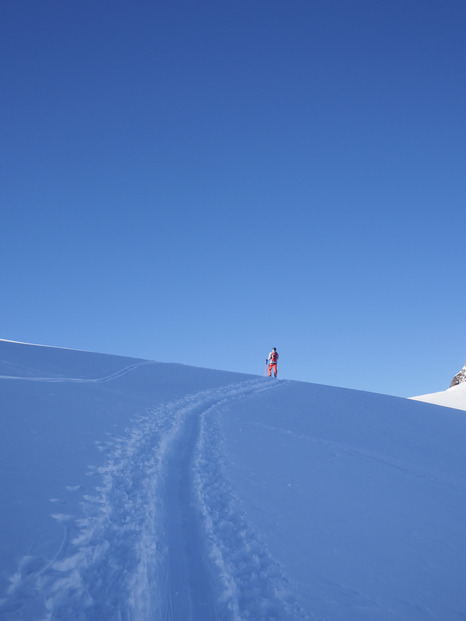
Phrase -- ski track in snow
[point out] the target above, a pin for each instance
(80, 380)
(163, 537)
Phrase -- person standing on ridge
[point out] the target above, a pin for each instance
(272, 359)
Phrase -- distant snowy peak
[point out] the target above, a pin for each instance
(459, 377)
(454, 397)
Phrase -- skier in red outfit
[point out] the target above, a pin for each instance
(272, 359)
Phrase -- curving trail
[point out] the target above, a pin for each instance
(162, 538)
(79, 380)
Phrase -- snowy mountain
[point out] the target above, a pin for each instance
(454, 397)
(137, 490)
(459, 377)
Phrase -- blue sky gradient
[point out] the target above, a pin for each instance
(200, 181)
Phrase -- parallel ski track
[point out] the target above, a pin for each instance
(162, 538)
(80, 380)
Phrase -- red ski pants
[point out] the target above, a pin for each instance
(273, 365)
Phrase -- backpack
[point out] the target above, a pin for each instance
(274, 356)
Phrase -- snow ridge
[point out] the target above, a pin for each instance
(161, 537)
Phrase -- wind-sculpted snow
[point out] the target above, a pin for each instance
(162, 537)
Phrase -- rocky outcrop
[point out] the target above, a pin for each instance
(459, 377)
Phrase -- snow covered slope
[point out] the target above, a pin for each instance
(454, 397)
(142, 491)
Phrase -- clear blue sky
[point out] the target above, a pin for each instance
(197, 182)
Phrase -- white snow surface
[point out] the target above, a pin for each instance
(454, 397)
(138, 491)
